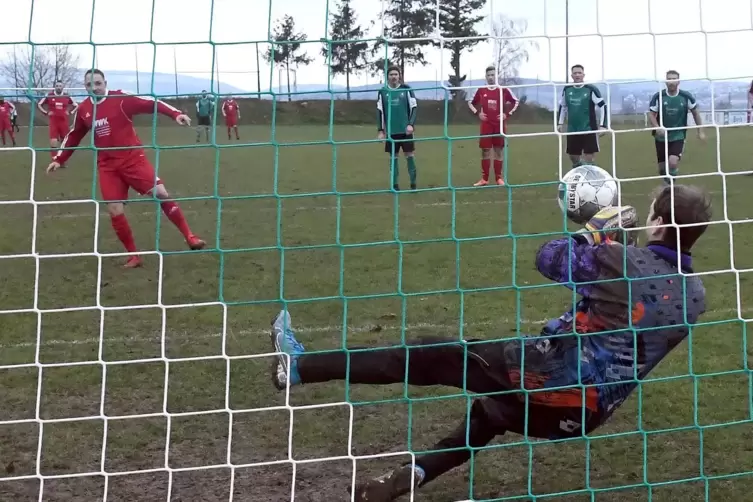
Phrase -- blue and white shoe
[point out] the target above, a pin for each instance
(284, 341)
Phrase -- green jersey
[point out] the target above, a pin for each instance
(204, 107)
(583, 107)
(396, 109)
(672, 111)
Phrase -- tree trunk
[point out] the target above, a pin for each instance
(455, 64)
(287, 72)
(347, 79)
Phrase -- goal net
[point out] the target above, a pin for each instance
(154, 383)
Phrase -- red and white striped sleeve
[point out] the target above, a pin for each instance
(509, 97)
(136, 105)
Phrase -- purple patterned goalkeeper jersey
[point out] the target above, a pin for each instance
(636, 305)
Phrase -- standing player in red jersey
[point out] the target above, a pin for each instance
(59, 106)
(6, 112)
(111, 119)
(493, 105)
(232, 114)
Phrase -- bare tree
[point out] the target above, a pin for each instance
(510, 51)
(40, 66)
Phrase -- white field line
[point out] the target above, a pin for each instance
(331, 329)
(405, 202)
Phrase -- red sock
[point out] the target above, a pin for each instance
(485, 165)
(174, 214)
(497, 168)
(123, 231)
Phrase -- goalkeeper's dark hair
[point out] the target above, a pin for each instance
(94, 71)
(692, 206)
(392, 68)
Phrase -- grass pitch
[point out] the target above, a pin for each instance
(314, 224)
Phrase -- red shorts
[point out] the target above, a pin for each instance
(231, 121)
(114, 182)
(491, 138)
(5, 125)
(59, 126)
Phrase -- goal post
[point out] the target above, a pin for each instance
(154, 383)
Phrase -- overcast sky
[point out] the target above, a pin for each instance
(614, 39)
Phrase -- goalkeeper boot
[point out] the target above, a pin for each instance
(289, 348)
(389, 486)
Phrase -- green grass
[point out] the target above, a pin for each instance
(449, 261)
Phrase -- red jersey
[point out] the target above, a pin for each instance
(112, 121)
(230, 107)
(57, 104)
(492, 100)
(6, 111)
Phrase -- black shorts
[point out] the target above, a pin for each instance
(205, 121)
(398, 141)
(578, 144)
(674, 148)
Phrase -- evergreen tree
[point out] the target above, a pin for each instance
(404, 19)
(286, 47)
(349, 57)
(458, 19)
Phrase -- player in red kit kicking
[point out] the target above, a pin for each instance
(6, 112)
(232, 114)
(111, 120)
(493, 105)
(59, 106)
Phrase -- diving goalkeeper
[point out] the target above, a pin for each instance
(569, 380)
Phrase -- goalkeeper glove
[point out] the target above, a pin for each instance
(611, 223)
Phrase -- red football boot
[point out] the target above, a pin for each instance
(133, 262)
(195, 243)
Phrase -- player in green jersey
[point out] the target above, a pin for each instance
(396, 115)
(668, 112)
(204, 109)
(585, 111)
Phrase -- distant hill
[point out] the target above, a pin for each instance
(622, 96)
(161, 84)
(635, 95)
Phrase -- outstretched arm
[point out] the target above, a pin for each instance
(571, 261)
(71, 140)
(137, 105)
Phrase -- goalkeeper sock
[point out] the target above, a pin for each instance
(174, 214)
(123, 231)
(498, 169)
(485, 165)
(412, 171)
(394, 168)
(673, 171)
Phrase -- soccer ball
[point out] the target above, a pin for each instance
(584, 191)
